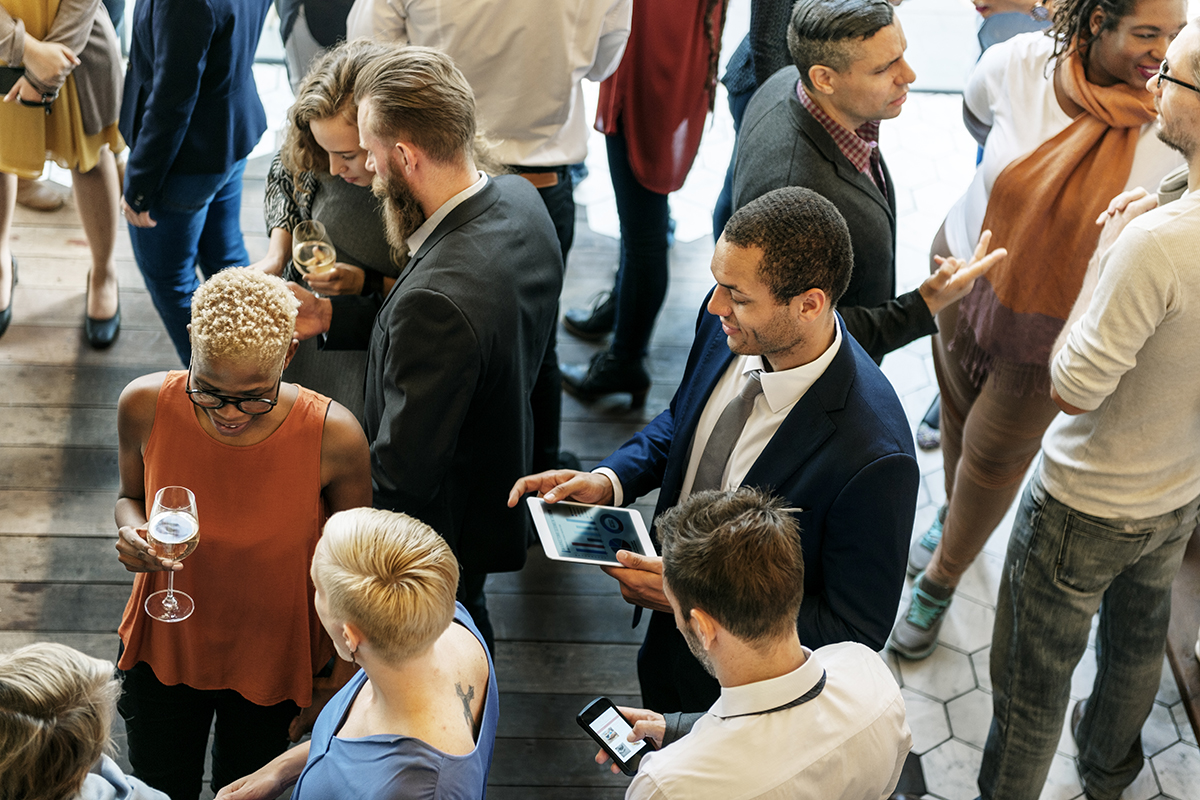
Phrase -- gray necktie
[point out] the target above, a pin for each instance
(725, 433)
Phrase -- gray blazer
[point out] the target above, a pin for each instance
(780, 144)
(454, 351)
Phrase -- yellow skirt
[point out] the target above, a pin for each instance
(30, 136)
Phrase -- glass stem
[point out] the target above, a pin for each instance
(170, 587)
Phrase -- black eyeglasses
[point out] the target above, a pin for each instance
(247, 405)
(1163, 76)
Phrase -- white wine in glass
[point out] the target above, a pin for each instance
(312, 249)
(173, 531)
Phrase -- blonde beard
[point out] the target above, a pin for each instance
(402, 212)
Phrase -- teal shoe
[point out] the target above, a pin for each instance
(921, 551)
(916, 634)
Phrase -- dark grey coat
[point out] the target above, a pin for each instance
(454, 352)
(780, 144)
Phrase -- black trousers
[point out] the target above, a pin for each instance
(546, 397)
(670, 676)
(168, 729)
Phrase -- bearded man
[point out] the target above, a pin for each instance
(454, 348)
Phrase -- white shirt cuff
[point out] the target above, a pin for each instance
(618, 494)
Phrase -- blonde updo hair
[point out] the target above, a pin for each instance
(243, 315)
(56, 713)
(391, 576)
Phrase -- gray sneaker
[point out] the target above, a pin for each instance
(916, 634)
(920, 553)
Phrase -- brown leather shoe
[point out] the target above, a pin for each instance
(41, 195)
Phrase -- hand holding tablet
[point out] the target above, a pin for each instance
(588, 534)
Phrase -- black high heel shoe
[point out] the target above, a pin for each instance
(6, 314)
(101, 332)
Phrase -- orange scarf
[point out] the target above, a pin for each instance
(1043, 208)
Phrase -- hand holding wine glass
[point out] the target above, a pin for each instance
(312, 249)
(173, 531)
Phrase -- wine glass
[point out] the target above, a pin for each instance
(173, 532)
(312, 249)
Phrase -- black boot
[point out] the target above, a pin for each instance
(592, 324)
(608, 374)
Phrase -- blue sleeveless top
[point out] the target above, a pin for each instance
(393, 767)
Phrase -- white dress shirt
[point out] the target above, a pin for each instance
(418, 237)
(847, 743)
(781, 391)
(524, 60)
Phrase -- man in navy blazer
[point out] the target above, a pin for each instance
(827, 433)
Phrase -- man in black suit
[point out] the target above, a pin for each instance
(455, 347)
(816, 125)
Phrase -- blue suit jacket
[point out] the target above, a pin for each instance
(844, 455)
(190, 104)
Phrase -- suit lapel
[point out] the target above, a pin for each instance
(820, 138)
(463, 213)
(709, 368)
(809, 424)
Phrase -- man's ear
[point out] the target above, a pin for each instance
(809, 305)
(704, 626)
(821, 78)
(407, 156)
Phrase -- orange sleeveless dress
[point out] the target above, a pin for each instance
(254, 629)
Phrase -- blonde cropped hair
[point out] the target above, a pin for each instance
(390, 575)
(242, 314)
(56, 713)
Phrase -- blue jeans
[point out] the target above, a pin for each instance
(1061, 567)
(199, 225)
(642, 276)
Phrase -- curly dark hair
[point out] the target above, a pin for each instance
(1072, 24)
(804, 239)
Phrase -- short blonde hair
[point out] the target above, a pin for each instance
(243, 314)
(56, 713)
(390, 575)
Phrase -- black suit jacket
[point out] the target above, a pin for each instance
(780, 144)
(453, 355)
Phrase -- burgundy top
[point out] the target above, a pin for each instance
(659, 96)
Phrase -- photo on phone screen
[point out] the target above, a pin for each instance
(611, 731)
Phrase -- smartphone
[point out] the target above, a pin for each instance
(610, 729)
(8, 78)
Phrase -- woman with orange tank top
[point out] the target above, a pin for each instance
(267, 462)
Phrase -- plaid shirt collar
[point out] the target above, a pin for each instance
(859, 146)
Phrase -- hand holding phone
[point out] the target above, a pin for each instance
(605, 723)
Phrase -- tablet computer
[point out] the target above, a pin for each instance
(588, 534)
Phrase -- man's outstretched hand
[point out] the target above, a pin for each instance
(954, 279)
(564, 484)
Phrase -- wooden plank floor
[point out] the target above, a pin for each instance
(563, 633)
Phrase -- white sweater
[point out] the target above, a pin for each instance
(1133, 360)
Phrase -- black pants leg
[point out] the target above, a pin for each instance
(470, 594)
(168, 729)
(546, 398)
(670, 676)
